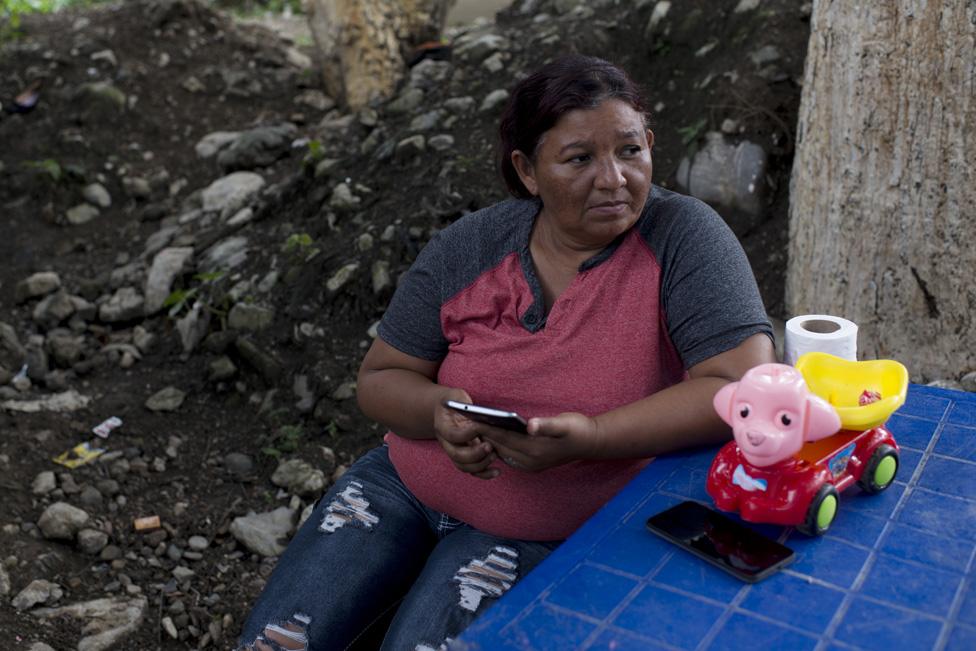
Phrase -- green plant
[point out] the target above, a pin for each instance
(205, 291)
(691, 132)
(47, 167)
(299, 248)
(315, 153)
(284, 439)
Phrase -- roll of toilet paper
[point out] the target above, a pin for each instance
(821, 333)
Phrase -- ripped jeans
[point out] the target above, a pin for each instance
(370, 546)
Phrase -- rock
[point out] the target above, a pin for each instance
(341, 277)
(107, 622)
(53, 309)
(137, 187)
(12, 354)
(69, 400)
(241, 217)
(39, 646)
(427, 121)
(441, 142)
(61, 521)
(65, 348)
(315, 99)
(494, 100)
(92, 541)
(38, 591)
(298, 477)
(143, 339)
(968, 382)
(44, 483)
(230, 193)
(103, 93)
(411, 147)
(943, 383)
(193, 327)
(212, 143)
(166, 267)
(125, 305)
(168, 399)
(460, 104)
(342, 199)
(264, 533)
(325, 167)
(222, 369)
(345, 391)
(198, 543)
(658, 14)
(226, 254)
(746, 5)
(381, 276)
(39, 284)
(170, 627)
(81, 214)
(192, 85)
(97, 195)
(258, 147)
(250, 318)
(264, 363)
(407, 101)
(478, 49)
(765, 55)
(238, 464)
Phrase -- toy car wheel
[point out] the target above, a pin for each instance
(880, 470)
(823, 509)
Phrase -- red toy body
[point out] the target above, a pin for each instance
(785, 492)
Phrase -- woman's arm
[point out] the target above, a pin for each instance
(680, 416)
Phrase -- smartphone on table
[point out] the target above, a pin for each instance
(490, 416)
(742, 552)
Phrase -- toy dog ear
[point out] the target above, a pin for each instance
(723, 401)
(821, 419)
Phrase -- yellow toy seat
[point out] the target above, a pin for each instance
(842, 382)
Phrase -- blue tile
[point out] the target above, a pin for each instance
(967, 614)
(923, 401)
(950, 477)
(875, 626)
(792, 600)
(881, 504)
(963, 413)
(926, 589)
(827, 559)
(957, 441)
(856, 528)
(929, 548)
(912, 432)
(688, 572)
(689, 483)
(591, 591)
(950, 516)
(962, 638)
(632, 550)
(545, 628)
(668, 617)
(744, 632)
(908, 460)
(616, 640)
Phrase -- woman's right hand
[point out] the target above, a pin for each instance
(459, 438)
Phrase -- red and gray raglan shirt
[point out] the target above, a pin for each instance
(672, 291)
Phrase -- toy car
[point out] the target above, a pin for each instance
(802, 435)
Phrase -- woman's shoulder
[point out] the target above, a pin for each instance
(671, 217)
(489, 233)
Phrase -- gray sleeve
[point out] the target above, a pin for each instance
(709, 295)
(412, 322)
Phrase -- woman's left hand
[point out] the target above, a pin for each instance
(550, 442)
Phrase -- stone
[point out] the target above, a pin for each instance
(945, 383)
(427, 121)
(460, 104)
(494, 101)
(298, 477)
(478, 49)
(170, 627)
(494, 63)
(92, 541)
(381, 276)
(315, 99)
(137, 187)
(264, 363)
(44, 483)
(230, 193)
(264, 533)
(345, 391)
(441, 142)
(168, 399)
(69, 400)
(341, 277)
(35, 285)
(257, 147)
(125, 305)
(193, 327)
(968, 382)
(166, 267)
(12, 353)
(107, 622)
(238, 464)
(407, 101)
(61, 521)
(81, 214)
(39, 646)
(212, 143)
(97, 195)
(53, 309)
(226, 254)
(250, 318)
(325, 167)
(103, 93)
(65, 347)
(221, 369)
(765, 55)
(37, 592)
(342, 199)
(658, 14)
(198, 543)
(746, 5)
(4, 581)
(411, 147)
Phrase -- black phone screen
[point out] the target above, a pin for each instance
(721, 541)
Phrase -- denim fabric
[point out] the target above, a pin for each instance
(370, 546)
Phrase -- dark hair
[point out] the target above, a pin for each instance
(537, 102)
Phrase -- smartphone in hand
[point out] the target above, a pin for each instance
(496, 417)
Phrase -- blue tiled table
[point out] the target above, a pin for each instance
(895, 570)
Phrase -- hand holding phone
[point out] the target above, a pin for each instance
(723, 542)
(490, 416)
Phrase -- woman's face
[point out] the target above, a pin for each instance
(592, 171)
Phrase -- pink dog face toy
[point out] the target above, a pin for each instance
(772, 413)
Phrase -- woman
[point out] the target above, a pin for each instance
(607, 310)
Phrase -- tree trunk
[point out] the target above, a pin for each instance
(362, 43)
(883, 192)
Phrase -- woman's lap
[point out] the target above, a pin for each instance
(368, 543)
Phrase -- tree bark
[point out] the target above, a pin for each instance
(883, 189)
(363, 43)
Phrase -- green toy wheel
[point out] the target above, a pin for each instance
(822, 511)
(880, 470)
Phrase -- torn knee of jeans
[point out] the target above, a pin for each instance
(290, 636)
(487, 577)
(430, 647)
(348, 507)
